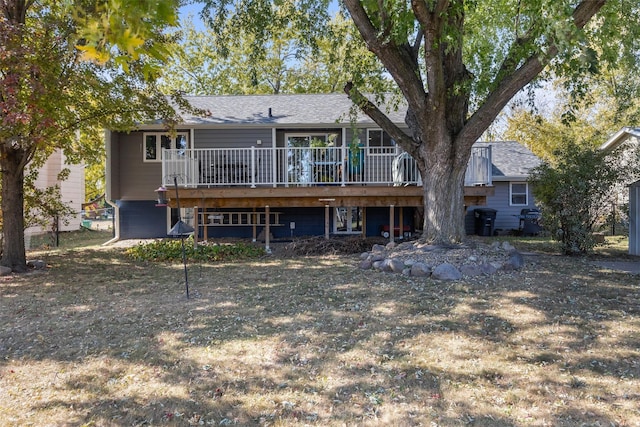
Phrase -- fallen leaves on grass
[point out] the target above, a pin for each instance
(105, 340)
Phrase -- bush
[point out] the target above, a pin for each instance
(169, 250)
(574, 194)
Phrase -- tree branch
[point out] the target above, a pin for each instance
(381, 119)
(510, 83)
(398, 60)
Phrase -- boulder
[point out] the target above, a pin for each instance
(420, 269)
(515, 262)
(365, 264)
(396, 265)
(446, 271)
(471, 270)
(37, 264)
(377, 248)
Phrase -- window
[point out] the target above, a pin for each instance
(379, 142)
(347, 220)
(518, 193)
(155, 142)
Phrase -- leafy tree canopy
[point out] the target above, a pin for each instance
(49, 95)
(208, 62)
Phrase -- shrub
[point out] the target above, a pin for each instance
(574, 193)
(169, 250)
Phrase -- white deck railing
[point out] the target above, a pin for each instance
(304, 166)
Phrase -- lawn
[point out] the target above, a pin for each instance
(100, 340)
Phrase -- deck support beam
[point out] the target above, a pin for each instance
(392, 223)
(267, 228)
(326, 222)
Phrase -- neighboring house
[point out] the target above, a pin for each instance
(511, 163)
(72, 191)
(628, 139)
(282, 166)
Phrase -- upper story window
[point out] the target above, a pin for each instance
(379, 142)
(518, 194)
(154, 142)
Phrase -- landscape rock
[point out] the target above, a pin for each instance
(488, 269)
(396, 265)
(420, 269)
(446, 271)
(378, 248)
(365, 264)
(471, 270)
(5, 271)
(37, 264)
(507, 247)
(516, 261)
(443, 262)
(377, 256)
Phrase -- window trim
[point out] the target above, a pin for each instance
(158, 136)
(526, 193)
(372, 151)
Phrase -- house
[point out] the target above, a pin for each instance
(72, 191)
(628, 140)
(511, 164)
(263, 166)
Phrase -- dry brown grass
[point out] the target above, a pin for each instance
(98, 340)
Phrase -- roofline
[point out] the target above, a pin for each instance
(510, 178)
(240, 125)
(619, 137)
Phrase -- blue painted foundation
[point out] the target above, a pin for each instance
(143, 220)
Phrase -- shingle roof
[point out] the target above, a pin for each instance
(302, 109)
(511, 159)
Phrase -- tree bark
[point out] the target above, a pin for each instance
(13, 250)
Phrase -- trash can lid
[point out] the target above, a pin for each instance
(485, 210)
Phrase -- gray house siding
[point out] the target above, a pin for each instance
(137, 179)
(232, 138)
(506, 215)
(113, 159)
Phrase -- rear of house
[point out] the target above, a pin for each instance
(511, 164)
(278, 166)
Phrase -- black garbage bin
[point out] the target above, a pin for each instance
(485, 221)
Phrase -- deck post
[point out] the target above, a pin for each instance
(253, 168)
(344, 164)
(205, 225)
(401, 223)
(267, 228)
(392, 223)
(364, 222)
(196, 221)
(254, 221)
(326, 222)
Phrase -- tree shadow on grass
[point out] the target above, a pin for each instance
(313, 340)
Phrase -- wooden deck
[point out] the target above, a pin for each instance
(314, 196)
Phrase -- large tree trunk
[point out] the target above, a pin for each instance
(13, 251)
(443, 186)
(443, 175)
